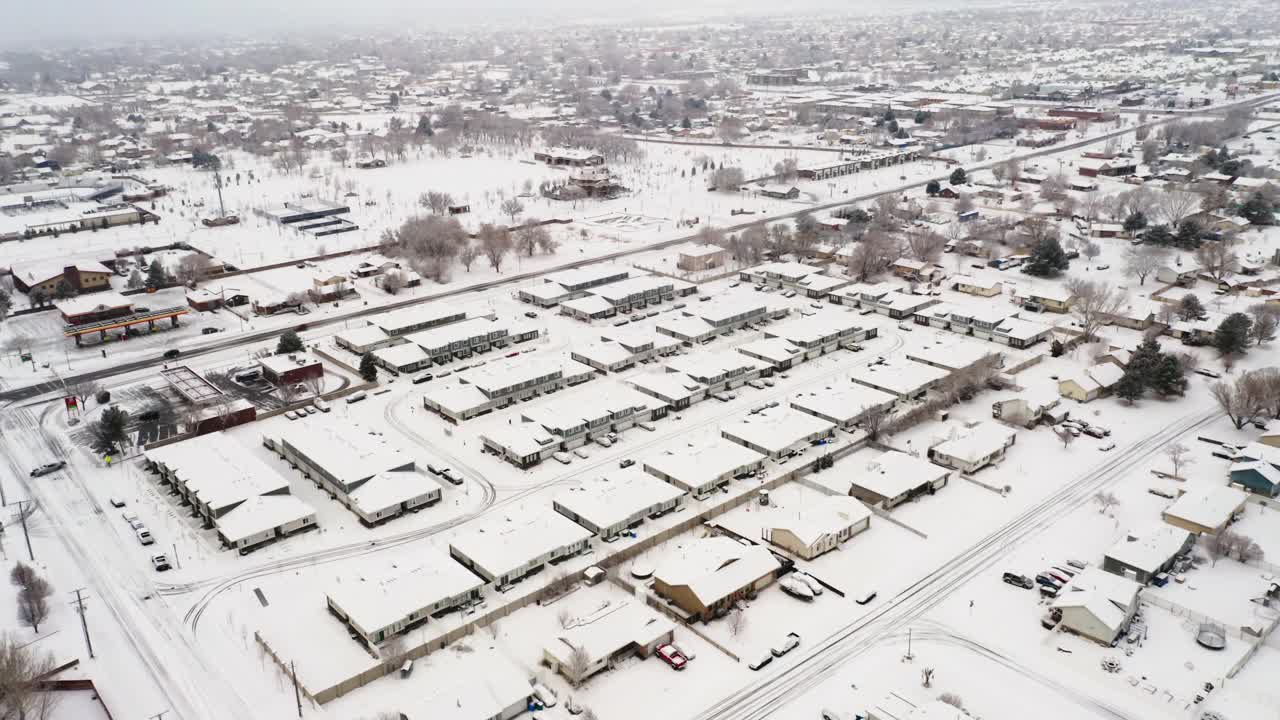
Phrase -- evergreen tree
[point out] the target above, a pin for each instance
(1167, 378)
(921, 118)
(686, 123)
(1189, 308)
(1158, 235)
(1047, 259)
(368, 370)
(933, 188)
(289, 343)
(1056, 349)
(1130, 387)
(958, 176)
(156, 275)
(1144, 360)
(1258, 210)
(1232, 335)
(63, 290)
(1189, 233)
(1135, 222)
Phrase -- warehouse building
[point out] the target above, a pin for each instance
(619, 500)
(710, 574)
(701, 468)
(379, 608)
(504, 550)
(217, 477)
(776, 432)
(373, 479)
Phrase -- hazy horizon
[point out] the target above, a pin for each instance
(78, 22)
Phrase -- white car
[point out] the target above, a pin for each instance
(1107, 446)
(160, 563)
(116, 502)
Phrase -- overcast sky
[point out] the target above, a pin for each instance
(68, 22)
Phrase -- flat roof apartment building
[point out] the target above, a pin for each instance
(379, 608)
(505, 549)
(618, 500)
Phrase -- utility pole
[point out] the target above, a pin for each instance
(160, 715)
(84, 623)
(217, 181)
(22, 515)
(297, 696)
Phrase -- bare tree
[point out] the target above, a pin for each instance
(495, 243)
(578, 665)
(1217, 259)
(1176, 205)
(512, 207)
(873, 421)
(194, 267)
(1266, 318)
(82, 390)
(435, 201)
(1064, 436)
(393, 282)
(1106, 500)
(964, 203)
(727, 179)
(468, 254)
(22, 669)
(873, 255)
(952, 699)
(1093, 304)
(529, 238)
(737, 621)
(1143, 260)
(33, 597)
(1179, 457)
(564, 618)
(1237, 400)
(314, 386)
(925, 246)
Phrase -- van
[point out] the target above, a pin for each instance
(356, 397)
(144, 535)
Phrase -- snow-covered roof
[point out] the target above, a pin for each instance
(92, 302)
(394, 323)
(694, 465)
(714, 567)
(261, 514)
(1105, 595)
(617, 496)
(364, 336)
(671, 386)
(901, 379)
(501, 545)
(610, 632)
(1209, 506)
(388, 490)
(777, 429)
(439, 338)
(346, 452)
(483, 690)
(980, 441)
(894, 473)
(841, 403)
(809, 523)
(1149, 549)
(401, 355)
(588, 304)
(373, 604)
(822, 325)
(218, 470)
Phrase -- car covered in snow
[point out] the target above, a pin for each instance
(48, 467)
(672, 656)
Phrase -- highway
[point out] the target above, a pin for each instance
(28, 392)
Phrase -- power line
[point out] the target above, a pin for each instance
(84, 622)
(22, 515)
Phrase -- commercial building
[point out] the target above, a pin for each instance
(700, 468)
(94, 308)
(502, 383)
(375, 480)
(82, 277)
(1143, 554)
(699, 258)
(710, 574)
(618, 500)
(601, 642)
(379, 608)
(290, 369)
(778, 431)
(519, 542)
(974, 448)
(216, 476)
(892, 478)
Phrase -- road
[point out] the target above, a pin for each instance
(233, 341)
(773, 692)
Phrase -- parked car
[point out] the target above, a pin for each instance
(48, 467)
(321, 405)
(531, 314)
(171, 353)
(1048, 581)
(1207, 373)
(424, 377)
(209, 331)
(356, 397)
(786, 645)
(131, 517)
(626, 463)
(160, 563)
(562, 457)
(1094, 432)
(1107, 446)
(581, 453)
(671, 656)
(451, 476)
(808, 580)
(866, 598)
(1017, 580)
(795, 588)
(761, 661)
(1050, 619)
(116, 502)
(143, 534)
